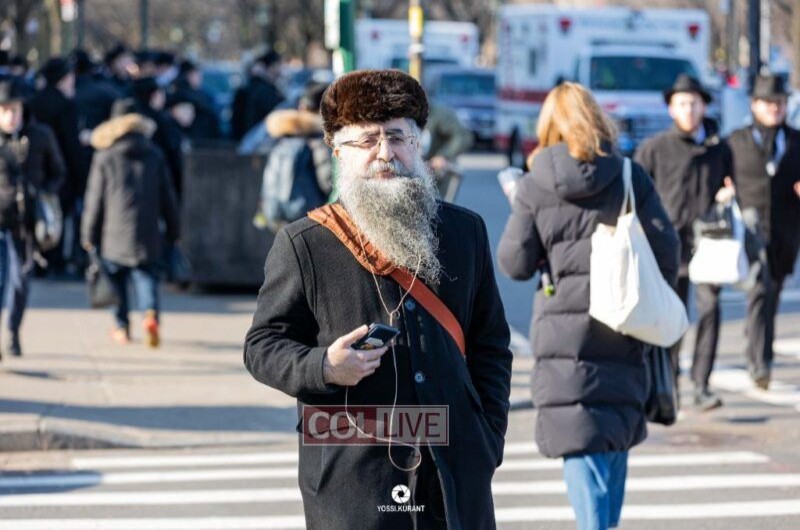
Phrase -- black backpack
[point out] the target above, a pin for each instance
(289, 189)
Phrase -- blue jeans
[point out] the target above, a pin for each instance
(13, 277)
(596, 488)
(145, 282)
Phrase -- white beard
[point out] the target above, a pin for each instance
(397, 215)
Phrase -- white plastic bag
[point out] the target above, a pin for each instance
(721, 261)
(627, 291)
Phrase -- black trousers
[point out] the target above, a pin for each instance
(708, 322)
(762, 306)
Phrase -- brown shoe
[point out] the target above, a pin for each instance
(150, 325)
(121, 336)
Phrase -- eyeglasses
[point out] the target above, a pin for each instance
(371, 142)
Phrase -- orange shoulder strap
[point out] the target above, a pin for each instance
(336, 219)
(433, 305)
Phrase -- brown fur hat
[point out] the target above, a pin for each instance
(372, 96)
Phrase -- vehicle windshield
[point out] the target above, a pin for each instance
(466, 85)
(637, 73)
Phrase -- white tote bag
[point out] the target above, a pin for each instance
(721, 261)
(627, 291)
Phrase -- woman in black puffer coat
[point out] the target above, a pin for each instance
(588, 381)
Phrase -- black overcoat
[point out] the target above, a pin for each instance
(314, 292)
(773, 198)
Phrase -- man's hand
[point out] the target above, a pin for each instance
(88, 247)
(797, 189)
(726, 193)
(347, 367)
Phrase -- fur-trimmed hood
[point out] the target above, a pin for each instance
(291, 122)
(108, 132)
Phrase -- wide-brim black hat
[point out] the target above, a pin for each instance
(10, 92)
(687, 83)
(54, 70)
(769, 87)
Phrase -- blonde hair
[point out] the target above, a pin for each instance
(570, 114)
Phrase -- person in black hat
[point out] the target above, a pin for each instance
(259, 97)
(189, 87)
(766, 160)
(55, 106)
(151, 100)
(691, 167)
(41, 172)
(120, 65)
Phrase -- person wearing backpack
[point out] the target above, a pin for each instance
(589, 382)
(298, 174)
(130, 192)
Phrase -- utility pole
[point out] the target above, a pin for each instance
(144, 19)
(754, 36)
(340, 34)
(766, 34)
(416, 28)
(81, 24)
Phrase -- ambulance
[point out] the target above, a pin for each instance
(383, 43)
(626, 57)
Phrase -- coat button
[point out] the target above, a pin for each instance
(410, 305)
(419, 377)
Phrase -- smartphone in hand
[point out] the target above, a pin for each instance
(378, 336)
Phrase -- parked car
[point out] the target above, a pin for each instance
(470, 93)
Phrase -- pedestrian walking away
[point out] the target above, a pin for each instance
(692, 167)
(129, 194)
(393, 255)
(589, 382)
(766, 158)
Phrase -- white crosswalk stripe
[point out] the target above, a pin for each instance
(527, 489)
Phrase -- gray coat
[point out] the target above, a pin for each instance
(128, 193)
(588, 381)
(314, 292)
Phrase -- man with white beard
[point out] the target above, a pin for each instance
(387, 253)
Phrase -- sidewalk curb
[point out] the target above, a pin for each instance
(82, 435)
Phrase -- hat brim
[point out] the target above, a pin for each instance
(702, 93)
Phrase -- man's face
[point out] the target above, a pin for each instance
(67, 85)
(124, 66)
(687, 110)
(769, 112)
(158, 99)
(11, 117)
(195, 79)
(391, 142)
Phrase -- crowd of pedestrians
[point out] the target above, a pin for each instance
(100, 144)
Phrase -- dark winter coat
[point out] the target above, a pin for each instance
(258, 99)
(10, 178)
(314, 292)
(169, 138)
(687, 177)
(129, 192)
(37, 148)
(773, 198)
(588, 381)
(52, 108)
